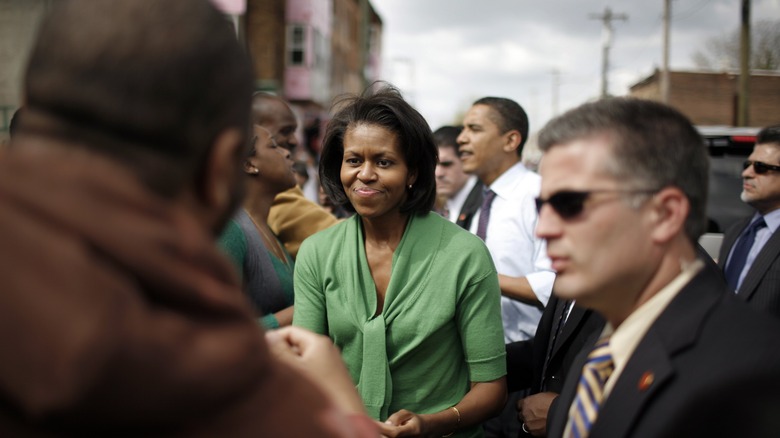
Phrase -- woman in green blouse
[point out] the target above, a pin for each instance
(411, 299)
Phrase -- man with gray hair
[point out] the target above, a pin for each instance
(622, 205)
(750, 254)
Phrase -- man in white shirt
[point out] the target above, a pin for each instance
(491, 144)
(459, 193)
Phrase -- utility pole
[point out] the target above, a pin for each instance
(665, 68)
(606, 19)
(363, 40)
(556, 84)
(743, 109)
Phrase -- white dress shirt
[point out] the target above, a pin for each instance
(516, 250)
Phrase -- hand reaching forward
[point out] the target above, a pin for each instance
(316, 357)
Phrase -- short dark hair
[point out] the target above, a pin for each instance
(384, 107)
(769, 134)
(654, 146)
(141, 81)
(508, 115)
(447, 136)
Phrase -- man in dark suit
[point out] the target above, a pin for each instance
(622, 205)
(459, 194)
(750, 253)
(543, 362)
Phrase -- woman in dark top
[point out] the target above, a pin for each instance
(266, 267)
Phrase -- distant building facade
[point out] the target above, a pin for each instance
(311, 51)
(18, 23)
(307, 51)
(710, 98)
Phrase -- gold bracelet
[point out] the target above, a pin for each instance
(457, 412)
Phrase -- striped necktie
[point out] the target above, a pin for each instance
(590, 390)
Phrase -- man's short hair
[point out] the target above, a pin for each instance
(140, 81)
(447, 136)
(770, 134)
(263, 107)
(508, 115)
(384, 107)
(654, 146)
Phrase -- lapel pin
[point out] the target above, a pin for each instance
(646, 380)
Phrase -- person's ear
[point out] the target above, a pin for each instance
(669, 212)
(221, 171)
(250, 168)
(513, 139)
(411, 179)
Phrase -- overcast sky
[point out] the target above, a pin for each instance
(444, 54)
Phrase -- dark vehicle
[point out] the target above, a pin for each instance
(728, 147)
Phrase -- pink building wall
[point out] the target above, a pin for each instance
(306, 82)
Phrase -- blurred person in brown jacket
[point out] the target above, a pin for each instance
(118, 314)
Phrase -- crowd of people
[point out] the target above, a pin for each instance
(163, 274)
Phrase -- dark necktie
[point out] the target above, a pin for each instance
(484, 213)
(741, 249)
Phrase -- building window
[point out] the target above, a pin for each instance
(296, 44)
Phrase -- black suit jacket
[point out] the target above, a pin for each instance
(528, 365)
(526, 359)
(703, 342)
(470, 206)
(761, 287)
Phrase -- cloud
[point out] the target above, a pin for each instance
(444, 54)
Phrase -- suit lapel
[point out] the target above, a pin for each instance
(652, 362)
(470, 206)
(560, 415)
(569, 328)
(760, 266)
(647, 370)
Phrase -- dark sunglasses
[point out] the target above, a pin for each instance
(570, 203)
(759, 167)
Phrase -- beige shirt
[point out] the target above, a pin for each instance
(626, 337)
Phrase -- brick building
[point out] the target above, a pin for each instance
(311, 51)
(710, 98)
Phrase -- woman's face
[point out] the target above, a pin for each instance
(271, 164)
(374, 171)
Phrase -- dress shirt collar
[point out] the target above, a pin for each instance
(628, 335)
(772, 219)
(505, 184)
